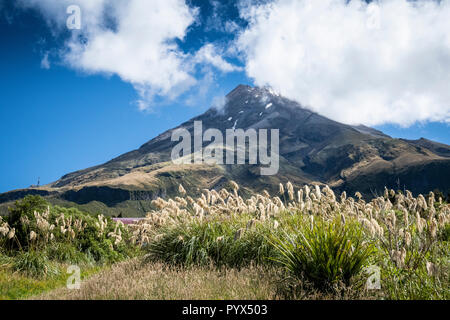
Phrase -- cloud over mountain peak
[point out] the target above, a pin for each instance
(381, 62)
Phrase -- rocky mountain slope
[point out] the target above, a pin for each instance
(312, 149)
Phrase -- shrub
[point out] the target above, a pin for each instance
(24, 209)
(34, 264)
(445, 234)
(65, 234)
(401, 284)
(325, 254)
(222, 242)
(66, 253)
(98, 238)
(4, 259)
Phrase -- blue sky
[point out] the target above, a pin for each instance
(72, 113)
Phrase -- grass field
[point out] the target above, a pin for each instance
(137, 279)
(308, 244)
(16, 285)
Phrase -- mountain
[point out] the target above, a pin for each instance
(312, 149)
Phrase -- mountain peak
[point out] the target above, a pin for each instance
(239, 88)
(312, 149)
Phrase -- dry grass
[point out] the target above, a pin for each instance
(155, 281)
(145, 177)
(135, 280)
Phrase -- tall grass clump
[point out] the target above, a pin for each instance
(323, 252)
(34, 264)
(222, 242)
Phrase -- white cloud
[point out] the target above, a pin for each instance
(219, 103)
(387, 62)
(134, 39)
(45, 63)
(209, 54)
(141, 50)
(55, 11)
(231, 26)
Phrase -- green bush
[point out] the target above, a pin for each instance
(445, 235)
(402, 284)
(88, 242)
(326, 254)
(35, 264)
(4, 259)
(24, 208)
(66, 253)
(95, 246)
(222, 242)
